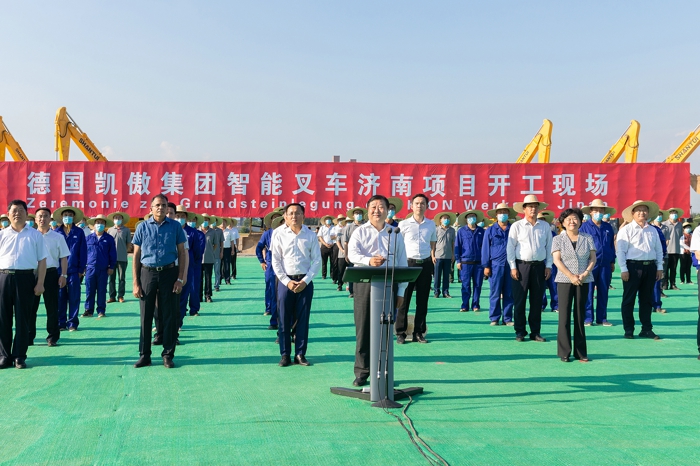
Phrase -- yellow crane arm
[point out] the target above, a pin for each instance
(8, 142)
(67, 129)
(686, 148)
(627, 144)
(540, 145)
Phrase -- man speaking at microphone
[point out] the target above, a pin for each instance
(374, 244)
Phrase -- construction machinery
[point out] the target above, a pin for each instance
(627, 144)
(686, 148)
(9, 142)
(540, 145)
(67, 129)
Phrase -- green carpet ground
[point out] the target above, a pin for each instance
(487, 400)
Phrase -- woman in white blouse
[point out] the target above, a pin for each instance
(574, 256)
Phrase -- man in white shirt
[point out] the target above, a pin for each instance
(369, 247)
(326, 235)
(22, 255)
(640, 256)
(695, 251)
(226, 258)
(420, 237)
(529, 255)
(57, 253)
(296, 260)
(235, 236)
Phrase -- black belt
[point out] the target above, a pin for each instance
(16, 272)
(419, 261)
(518, 261)
(50, 269)
(158, 269)
(296, 278)
(642, 262)
(470, 262)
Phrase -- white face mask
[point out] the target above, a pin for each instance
(673, 216)
(688, 230)
(358, 217)
(391, 213)
(471, 220)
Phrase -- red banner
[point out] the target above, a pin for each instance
(251, 189)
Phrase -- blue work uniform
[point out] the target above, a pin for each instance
(270, 279)
(102, 256)
(552, 287)
(494, 257)
(202, 238)
(604, 240)
(190, 292)
(656, 295)
(69, 295)
(468, 245)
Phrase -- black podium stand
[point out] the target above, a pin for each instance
(381, 366)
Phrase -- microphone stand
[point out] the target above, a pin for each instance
(383, 318)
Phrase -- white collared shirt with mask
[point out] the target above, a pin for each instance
(56, 249)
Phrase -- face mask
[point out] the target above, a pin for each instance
(597, 216)
(99, 228)
(182, 221)
(358, 217)
(192, 224)
(586, 217)
(659, 218)
(480, 224)
(30, 223)
(67, 220)
(53, 224)
(391, 213)
(673, 216)
(687, 230)
(503, 218)
(81, 224)
(606, 217)
(471, 220)
(205, 224)
(328, 222)
(445, 221)
(118, 222)
(213, 224)
(5, 224)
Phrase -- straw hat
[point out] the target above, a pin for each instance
(267, 221)
(58, 214)
(340, 218)
(323, 219)
(652, 206)
(546, 215)
(397, 202)
(462, 218)
(277, 221)
(191, 216)
(4, 216)
(233, 222)
(503, 205)
(351, 212)
(689, 224)
(679, 211)
(125, 217)
(107, 220)
(438, 218)
(598, 203)
(529, 199)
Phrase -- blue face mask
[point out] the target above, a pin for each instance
(597, 216)
(118, 221)
(81, 224)
(67, 220)
(205, 224)
(358, 217)
(182, 221)
(673, 216)
(53, 224)
(471, 220)
(480, 224)
(213, 223)
(687, 230)
(503, 218)
(586, 217)
(99, 227)
(445, 221)
(606, 217)
(328, 222)
(660, 218)
(30, 223)
(192, 224)
(391, 213)
(5, 224)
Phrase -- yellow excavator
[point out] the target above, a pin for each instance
(67, 129)
(540, 145)
(9, 142)
(681, 154)
(627, 144)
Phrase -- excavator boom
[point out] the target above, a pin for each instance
(540, 145)
(686, 148)
(67, 129)
(8, 142)
(627, 144)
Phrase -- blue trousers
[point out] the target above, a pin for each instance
(294, 310)
(656, 296)
(69, 302)
(472, 275)
(441, 275)
(500, 283)
(271, 294)
(96, 284)
(190, 293)
(554, 301)
(600, 286)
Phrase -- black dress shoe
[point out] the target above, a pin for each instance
(360, 381)
(629, 335)
(143, 362)
(285, 361)
(177, 341)
(273, 327)
(446, 295)
(400, 339)
(566, 359)
(20, 364)
(519, 338)
(649, 334)
(539, 338)
(5, 363)
(437, 295)
(157, 341)
(87, 314)
(51, 343)
(419, 338)
(301, 360)
(168, 362)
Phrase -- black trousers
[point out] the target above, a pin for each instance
(422, 285)
(342, 265)
(226, 264)
(121, 271)
(641, 282)
(576, 297)
(234, 258)
(697, 279)
(159, 285)
(673, 260)
(16, 298)
(325, 257)
(205, 283)
(686, 264)
(334, 263)
(531, 281)
(51, 305)
(362, 303)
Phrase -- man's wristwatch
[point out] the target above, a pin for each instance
(64, 276)
(181, 281)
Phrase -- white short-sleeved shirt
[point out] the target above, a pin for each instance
(417, 237)
(56, 248)
(21, 250)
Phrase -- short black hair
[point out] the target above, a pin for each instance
(159, 196)
(286, 208)
(17, 202)
(379, 197)
(42, 208)
(171, 205)
(420, 195)
(569, 212)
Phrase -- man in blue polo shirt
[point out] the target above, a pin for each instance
(158, 243)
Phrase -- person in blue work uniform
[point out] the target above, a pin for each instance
(495, 264)
(657, 294)
(468, 243)
(101, 262)
(604, 239)
(190, 291)
(69, 295)
(548, 216)
(266, 265)
(395, 206)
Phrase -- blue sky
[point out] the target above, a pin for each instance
(376, 81)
